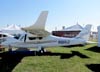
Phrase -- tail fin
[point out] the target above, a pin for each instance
(85, 33)
(40, 23)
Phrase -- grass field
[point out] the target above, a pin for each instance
(60, 59)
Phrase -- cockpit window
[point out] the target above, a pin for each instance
(17, 36)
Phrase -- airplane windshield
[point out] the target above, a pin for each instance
(17, 36)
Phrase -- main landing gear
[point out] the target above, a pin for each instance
(40, 51)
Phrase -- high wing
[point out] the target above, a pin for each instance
(38, 28)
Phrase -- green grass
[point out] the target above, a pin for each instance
(56, 64)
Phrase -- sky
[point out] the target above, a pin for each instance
(61, 13)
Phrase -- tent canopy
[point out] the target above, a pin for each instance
(12, 27)
(76, 27)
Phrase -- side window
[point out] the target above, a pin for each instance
(40, 38)
(4, 35)
(32, 38)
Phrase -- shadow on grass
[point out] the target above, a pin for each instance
(65, 55)
(94, 67)
(9, 60)
(71, 46)
(94, 49)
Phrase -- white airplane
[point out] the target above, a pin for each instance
(42, 39)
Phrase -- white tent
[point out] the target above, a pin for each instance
(76, 27)
(12, 29)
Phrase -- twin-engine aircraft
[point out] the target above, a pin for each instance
(41, 39)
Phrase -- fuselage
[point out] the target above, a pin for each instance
(45, 42)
